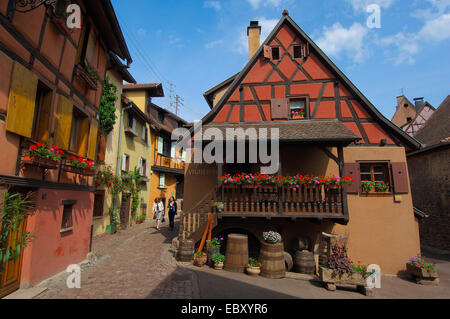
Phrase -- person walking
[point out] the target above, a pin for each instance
(172, 207)
(160, 213)
(155, 208)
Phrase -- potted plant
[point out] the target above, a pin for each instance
(42, 156)
(422, 271)
(367, 186)
(213, 247)
(297, 114)
(79, 165)
(272, 237)
(200, 258)
(381, 187)
(218, 206)
(253, 267)
(218, 260)
(140, 219)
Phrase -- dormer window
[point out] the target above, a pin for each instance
(275, 53)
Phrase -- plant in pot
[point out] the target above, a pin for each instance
(367, 186)
(253, 267)
(421, 271)
(200, 258)
(140, 219)
(213, 247)
(297, 113)
(218, 260)
(219, 206)
(80, 165)
(381, 187)
(40, 155)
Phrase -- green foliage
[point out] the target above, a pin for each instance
(367, 186)
(253, 262)
(214, 243)
(218, 258)
(108, 107)
(14, 208)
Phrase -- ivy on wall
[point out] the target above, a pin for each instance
(108, 107)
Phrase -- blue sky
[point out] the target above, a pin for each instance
(196, 44)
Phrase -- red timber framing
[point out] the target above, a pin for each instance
(314, 77)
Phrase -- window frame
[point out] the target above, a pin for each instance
(386, 171)
(43, 91)
(101, 194)
(79, 116)
(163, 177)
(279, 52)
(301, 46)
(292, 98)
(67, 209)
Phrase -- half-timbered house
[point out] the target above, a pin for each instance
(340, 133)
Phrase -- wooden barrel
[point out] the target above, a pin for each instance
(236, 255)
(302, 243)
(304, 262)
(185, 250)
(272, 259)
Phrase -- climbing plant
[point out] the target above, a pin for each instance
(135, 190)
(14, 208)
(108, 107)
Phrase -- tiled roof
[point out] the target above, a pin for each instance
(437, 128)
(299, 131)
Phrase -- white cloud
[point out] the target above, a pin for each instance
(256, 3)
(142, 32)
(267, 25)
(212, 44)
(437, 29)
(407, 45)
(212, 4)
(361, 5)
(338, 40)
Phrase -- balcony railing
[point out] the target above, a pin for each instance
(162, 160)
(309, 200)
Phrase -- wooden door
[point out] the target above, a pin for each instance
(11, 271)
(125, 210)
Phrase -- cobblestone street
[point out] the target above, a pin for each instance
(134, 263)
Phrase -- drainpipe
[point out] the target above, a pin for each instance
(119, 147)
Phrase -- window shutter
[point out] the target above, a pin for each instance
(160, 145)
(267, 52)
(134, 125)
(144, 132)
(280, 109)
(141, 171)
(63, 122)
(124, 162)
(307, 50)
(400, 178)
(353, 170)
(93, 133)
(22, 101)
(146, 168)
(84, 135)
(101, 147)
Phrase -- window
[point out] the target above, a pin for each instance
(161, 117)
(79, 132)
(375, 172)
(43, 113)
(144, 209)
(297, 108)
(408, 119)
(131, 123)
(172, 149)
(164, 146)
(144, 133)
(143, 167)
(275, 53)
(67, 222)
(162, 180)
(298, 51)
(125, 162)
(98, 203)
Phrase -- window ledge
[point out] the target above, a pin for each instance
(376, 194)
(97, 217)
(66, 230)
(162, 188)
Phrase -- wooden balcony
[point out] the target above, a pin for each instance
(167, 164)
(308, 201)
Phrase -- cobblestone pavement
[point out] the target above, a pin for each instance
(134, 263)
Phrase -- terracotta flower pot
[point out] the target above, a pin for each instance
(218, 266)
(200, 261)
(253, 271)
(36, 160)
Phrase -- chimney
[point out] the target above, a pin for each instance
(418, 103)
(254, 35)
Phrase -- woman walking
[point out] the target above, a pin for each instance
(172, 206)
(160, 213)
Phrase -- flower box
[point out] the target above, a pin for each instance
(327, 276)
(297, 117)
(420, 272)
(36, 160)
(84, 75)
(78, 170)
